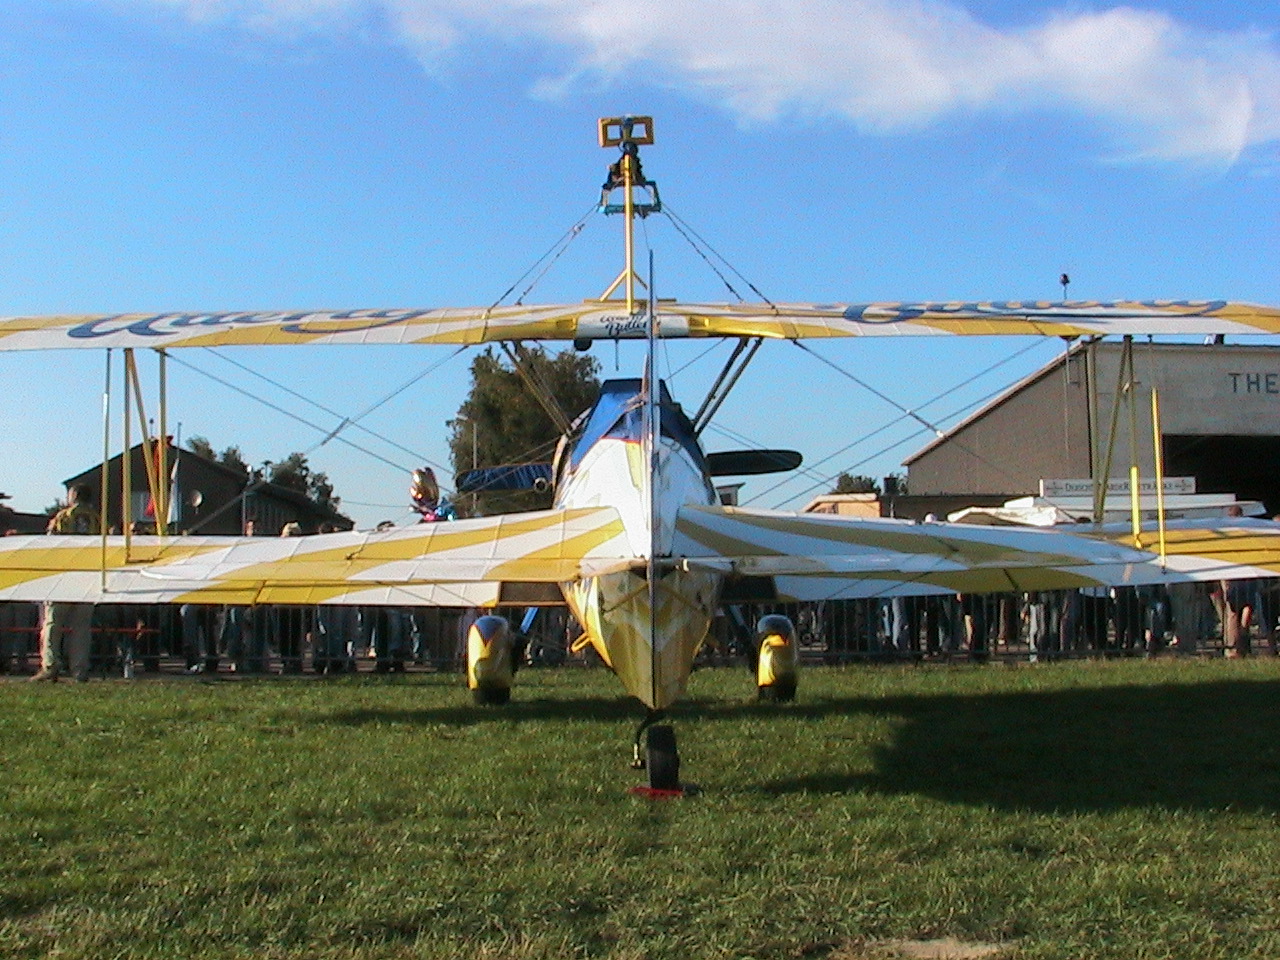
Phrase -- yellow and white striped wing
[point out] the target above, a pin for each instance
(607, 320)
(810, 557)
(464, 563)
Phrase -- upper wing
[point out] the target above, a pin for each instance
(607, 320)
(476, 562)
(811, 557)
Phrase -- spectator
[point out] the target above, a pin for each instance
(1035, 614)
(72, 619)
(17, 626)
(1238, 603)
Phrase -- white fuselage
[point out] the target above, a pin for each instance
(608, 464)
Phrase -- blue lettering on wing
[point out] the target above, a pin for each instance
(1011, 309)
(353, 321)
(625, 326)
(300, 323)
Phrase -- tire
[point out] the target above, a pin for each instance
(491, 696)
(662, 760)
(782, 691)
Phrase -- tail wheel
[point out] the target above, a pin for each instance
(661, 759)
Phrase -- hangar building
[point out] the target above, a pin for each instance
(1219, 415)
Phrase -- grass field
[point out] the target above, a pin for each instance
(1082, 810)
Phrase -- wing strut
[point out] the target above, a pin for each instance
(524, 368)
(742, 355)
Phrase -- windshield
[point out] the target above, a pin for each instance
(619, 414)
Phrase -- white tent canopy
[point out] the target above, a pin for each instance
(1049, 511)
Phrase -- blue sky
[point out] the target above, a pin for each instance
(263, 154)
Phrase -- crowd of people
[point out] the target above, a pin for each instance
(1231, 617)
(77, 640)
(125, 640)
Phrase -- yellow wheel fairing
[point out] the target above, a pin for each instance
(489, 664)
(614, 609)
(777, 661)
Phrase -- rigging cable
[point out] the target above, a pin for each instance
(682, 226)
(928, 403)
(1000, 470)
(347, 421)
(290, 414)
(554, 252)
(895, 444)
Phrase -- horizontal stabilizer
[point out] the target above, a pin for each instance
(742, 463)
(506, 478)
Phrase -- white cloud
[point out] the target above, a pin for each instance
(1162, 89)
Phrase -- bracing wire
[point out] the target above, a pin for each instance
(870, 389)
(998, 468)
(682, 225)
(685, 366)
(293, 416)
(893, 446)
(904, 416)
(553, 253)
(346, 421)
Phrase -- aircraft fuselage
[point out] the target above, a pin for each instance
(605, 463)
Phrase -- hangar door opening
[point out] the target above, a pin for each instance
(1249, 467)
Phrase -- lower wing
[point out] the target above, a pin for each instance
(787, 556)
(517, 558)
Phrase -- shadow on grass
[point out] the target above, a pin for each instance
(1183, 746)
(467, 715)
(1210, 746)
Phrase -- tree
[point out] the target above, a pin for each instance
(230, 457)
(501, 422)
(294, 473)
(233, 458)
(847, 483)
(895, 485)
(201, 447)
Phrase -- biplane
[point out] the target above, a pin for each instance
(637, 544)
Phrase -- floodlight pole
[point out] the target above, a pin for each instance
(628, 134)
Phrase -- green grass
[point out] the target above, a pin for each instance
(1109, 810)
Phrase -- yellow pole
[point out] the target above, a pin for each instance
(162, 458)
(1135, 507)
(1155, 431)
(126, 461)
(629, 204)
(104, 499)
(148, 457)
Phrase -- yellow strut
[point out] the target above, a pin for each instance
(627, 175)
(1159, 452)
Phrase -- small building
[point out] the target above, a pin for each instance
(845, 504)
(207, 497)
(11, 521)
